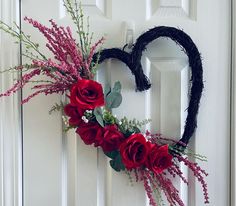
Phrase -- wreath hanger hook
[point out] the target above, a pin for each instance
(129, 28)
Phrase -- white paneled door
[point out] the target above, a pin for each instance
(59, 170)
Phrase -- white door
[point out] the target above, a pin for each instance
(59, 170)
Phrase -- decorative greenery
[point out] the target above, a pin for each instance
(188, 152)
(32, 49)
(99, 116)
(115, 162)
(113, 96)
(56, 108)
(129, 127)
(76, 13)
(109, 118)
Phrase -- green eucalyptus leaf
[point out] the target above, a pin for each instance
(98, 115)
(114, 166)
(117, 87)
(136, 130)
(100, 120)
(128, 133)
(112, 154)
(107, 89)
(113, 100)
(119, 161)
(117, 164)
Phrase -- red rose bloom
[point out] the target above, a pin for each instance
(90, 133)
(112, 138)
(159, 158)
(87, 94)
(74, 113)
(134, 151)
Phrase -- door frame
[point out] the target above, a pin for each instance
(11, 139)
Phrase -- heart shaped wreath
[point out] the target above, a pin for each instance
(150, 158)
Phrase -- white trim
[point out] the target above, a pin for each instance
(233, 105)
(11, 192)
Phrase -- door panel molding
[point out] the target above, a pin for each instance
(11, 192)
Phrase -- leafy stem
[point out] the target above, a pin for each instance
(21, 37)
(76, 12)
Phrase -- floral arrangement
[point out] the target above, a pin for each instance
(150, 158)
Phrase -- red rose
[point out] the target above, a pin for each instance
(134, 151)
(159, 158)
(87, 94)
(90, 133)
(112, 138)
(74, 113)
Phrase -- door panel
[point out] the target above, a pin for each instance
(60, 170)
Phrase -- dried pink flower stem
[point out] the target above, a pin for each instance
(21, 83)
(170, 191)
(149, 191)
(174, 169)
(156, 138)
(197, 171)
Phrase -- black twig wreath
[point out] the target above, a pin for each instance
(133, 61)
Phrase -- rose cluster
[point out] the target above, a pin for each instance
(135, 150)
(87, 95)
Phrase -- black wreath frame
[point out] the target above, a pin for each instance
(133, 61)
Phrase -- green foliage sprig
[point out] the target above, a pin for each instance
(24, 39)
(75, 10)
(129, 127)
(188, 152)
(57, 107)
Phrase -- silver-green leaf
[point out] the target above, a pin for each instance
(113, 100)
(99, 117)
(117, 87)
(107, 89)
